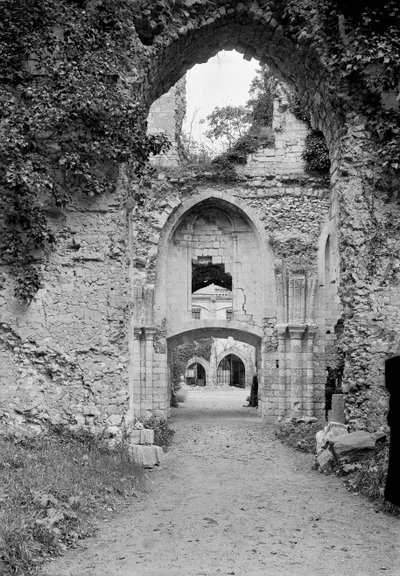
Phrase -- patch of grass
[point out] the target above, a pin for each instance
(52, 488)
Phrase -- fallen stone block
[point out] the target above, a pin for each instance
(135, 436)
(306, 419)
(146, 456)
(146, 436)
(325, 460)
(329, 433)
(354, 442)
(379, 436)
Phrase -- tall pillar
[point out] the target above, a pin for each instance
(134, 372)
(296, 369)
(189, 255)
(308, 397)
(142, 372)
(282, 388)
(235, 272)
(148, 378)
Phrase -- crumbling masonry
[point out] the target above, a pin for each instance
(93, 347)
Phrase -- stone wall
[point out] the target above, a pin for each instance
(65, 357)
(82, 322)
(93, 348)
(166, 115)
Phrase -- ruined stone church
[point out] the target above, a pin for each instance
(123, 289)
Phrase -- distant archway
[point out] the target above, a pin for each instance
(231, 371)
(249, 365)
(199, 371)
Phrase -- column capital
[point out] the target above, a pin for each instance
(296, 331)
(145, 332)
(282, 330)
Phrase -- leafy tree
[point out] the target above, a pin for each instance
(260, 103)
(245, 128)
(228, 123)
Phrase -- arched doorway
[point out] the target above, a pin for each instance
(196, 373)
(231, 372)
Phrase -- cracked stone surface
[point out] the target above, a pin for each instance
(232, 500)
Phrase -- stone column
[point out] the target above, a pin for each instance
(142, 372)
(282, 389)
(134, 374)
(189, 253)
(296, 369)
(147, 405)
(308, 396)
(234, 273)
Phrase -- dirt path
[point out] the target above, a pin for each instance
(231, 500)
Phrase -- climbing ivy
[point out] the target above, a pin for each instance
(359, 43)
(68, 119)
(316, 154)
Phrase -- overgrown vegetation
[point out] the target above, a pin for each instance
(316, 154)
(53, 488)
(67, 119)
(360, 46)
(364, 476)
(249, 127)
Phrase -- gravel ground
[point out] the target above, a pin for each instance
(230, 499)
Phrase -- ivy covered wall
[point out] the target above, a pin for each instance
(77, 80)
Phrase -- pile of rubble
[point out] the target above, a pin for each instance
(336, 445)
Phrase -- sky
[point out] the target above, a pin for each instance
(224, 79)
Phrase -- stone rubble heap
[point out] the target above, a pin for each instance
(336, 444)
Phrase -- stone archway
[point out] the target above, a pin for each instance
(249, 368)
(259, 32)
(231, 372)
(205, 368)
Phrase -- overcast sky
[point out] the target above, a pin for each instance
(224, 79)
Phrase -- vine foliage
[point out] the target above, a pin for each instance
(68, 118)
(359, 43)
